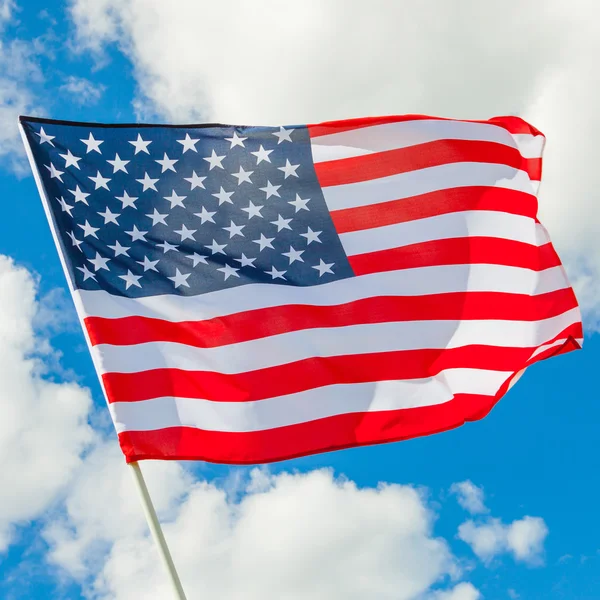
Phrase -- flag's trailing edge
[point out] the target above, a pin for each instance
(252, 294)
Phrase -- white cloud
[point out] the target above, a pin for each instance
(523, 538)
(298, 536)
(82, 91)
(463, 591)
(328, 59)
(469, 496)
(6, 10)
(43, 425)
(17, 69)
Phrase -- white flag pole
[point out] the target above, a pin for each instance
(153, 522)
(157, 532)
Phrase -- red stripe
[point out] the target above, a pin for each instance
(510, 124)
(312, 373)
(440, 202)
(323, 435)
(422, 156)
(265, 322)
(458, 251)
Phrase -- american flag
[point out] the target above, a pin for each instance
(252, 294)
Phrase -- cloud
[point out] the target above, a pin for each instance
(298, 536)
(18, 70)
(6, 11)
(269, 62)
(523, 538)
(43, 429)
(463, 591)
(82, 91)
(469, 496)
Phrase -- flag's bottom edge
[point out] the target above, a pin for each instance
(305, 439)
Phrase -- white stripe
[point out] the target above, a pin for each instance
(473, 223)
(335, 341)
(392, 136)
(530, 146)
(424, 181)
(407, 282)
(305, 406)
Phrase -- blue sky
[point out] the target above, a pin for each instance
(535, 455)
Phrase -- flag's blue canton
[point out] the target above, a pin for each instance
(142, 211)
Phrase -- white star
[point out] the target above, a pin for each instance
(224, 196)
(87, 274)
(264, 242)
(118, 164)
(275, 274)
(88, 229)
(262, 154)
(167, 163)
(205, 215)
(236, 140)
(245, 261)
(283, 135)
(234, 229)
(166, 246)
(65, 207)
(141, 145)
(270, 190)
(243, 176)
(215, 161)
(74, 240)
(127, 200)
(189, 143)
(118, 249)
(282, 223)
(99, 262)
(92, 144)
(79, 195)
(131, 279)
(197, 259)
(109, 216)
(289, 169)
(99, 181)
(253, 210)
(158, 218)
(54, 172)
(44, 137)
(70, 160)
(323, 268)
(215, 248)
(299, 204)
(311, 236)
(185, 233)
(149, 265)
(180, 279)
(294, 255)
(175, 200)
(136, 234)
(148, 183)
(195, 181)
(229, 271)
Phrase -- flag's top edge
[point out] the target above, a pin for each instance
(511, 122)
(25, 119)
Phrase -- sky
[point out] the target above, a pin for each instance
(503, 508)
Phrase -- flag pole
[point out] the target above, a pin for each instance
(156, 531)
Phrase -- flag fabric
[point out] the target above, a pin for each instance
(252, 294)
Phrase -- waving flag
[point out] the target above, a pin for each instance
(252, 294)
